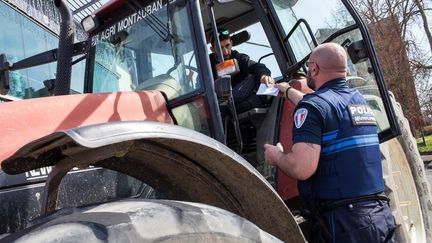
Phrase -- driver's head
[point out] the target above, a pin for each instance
(225, 41)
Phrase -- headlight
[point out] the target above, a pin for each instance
(90, 23)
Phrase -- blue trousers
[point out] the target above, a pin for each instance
(369, 222)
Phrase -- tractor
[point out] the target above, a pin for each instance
(142, 154)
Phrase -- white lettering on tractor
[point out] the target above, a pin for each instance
(44, 171)
(108, 32)
(131, 20)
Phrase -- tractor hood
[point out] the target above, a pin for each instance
(27, 120)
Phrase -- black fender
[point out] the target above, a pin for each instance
(180, 163)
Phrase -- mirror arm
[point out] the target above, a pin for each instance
(299, 64)
(307, 27)
(46, 57)
(340, 32)
(266, 55)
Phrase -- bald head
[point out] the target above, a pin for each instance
(327, 62)
(330, 57)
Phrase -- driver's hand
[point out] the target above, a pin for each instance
(267, 80)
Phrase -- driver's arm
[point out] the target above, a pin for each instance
(248, 66)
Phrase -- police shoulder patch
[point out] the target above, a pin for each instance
(300, 117)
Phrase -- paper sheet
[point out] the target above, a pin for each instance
(267, 90)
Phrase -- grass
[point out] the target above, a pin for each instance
(425, 148)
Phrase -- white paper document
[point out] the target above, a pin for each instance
(267, 90)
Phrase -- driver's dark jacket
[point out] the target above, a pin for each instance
(247, 66)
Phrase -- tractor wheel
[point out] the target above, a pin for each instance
(407, 184)
(143, 221)
(180, 164)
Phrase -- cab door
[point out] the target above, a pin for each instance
(294, 28)
(297, 26)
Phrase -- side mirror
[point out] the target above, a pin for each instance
(4, 74)
(49, 85)
(223, 86)
(240, 38)
(357, 52)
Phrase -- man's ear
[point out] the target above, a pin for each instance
(314, 70)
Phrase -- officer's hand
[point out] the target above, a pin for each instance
(273, 153)
(282, 88)
(267, 80)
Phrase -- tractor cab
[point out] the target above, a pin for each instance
(164, 45)
(152, 57)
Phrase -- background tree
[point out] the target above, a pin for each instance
(401, 31)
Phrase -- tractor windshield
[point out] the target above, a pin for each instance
(307, 23)
(147, 50)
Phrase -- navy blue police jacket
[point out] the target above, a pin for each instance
(339, 119)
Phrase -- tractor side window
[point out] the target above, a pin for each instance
(148, 50)
(23, 38)
(262, 52)
(193, 115)
(300, 44)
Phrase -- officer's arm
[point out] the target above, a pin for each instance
(299, 164)
(302, 161)
(293, 95)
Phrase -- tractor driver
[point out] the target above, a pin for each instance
(246, 82)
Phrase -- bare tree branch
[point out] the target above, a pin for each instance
(425, 22)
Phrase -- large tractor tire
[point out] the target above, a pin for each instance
(143, 221)
(407, 184)
(179, 163)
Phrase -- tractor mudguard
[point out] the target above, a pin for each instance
(178, 163)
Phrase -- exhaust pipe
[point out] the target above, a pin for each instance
(65, 50)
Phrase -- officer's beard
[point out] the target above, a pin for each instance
(310, 82)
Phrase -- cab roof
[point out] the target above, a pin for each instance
(234, 15)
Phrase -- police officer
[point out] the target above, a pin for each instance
(335, 155)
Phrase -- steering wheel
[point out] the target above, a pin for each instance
(191, 68)
(186, 67)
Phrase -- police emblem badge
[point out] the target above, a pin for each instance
(300, 117)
